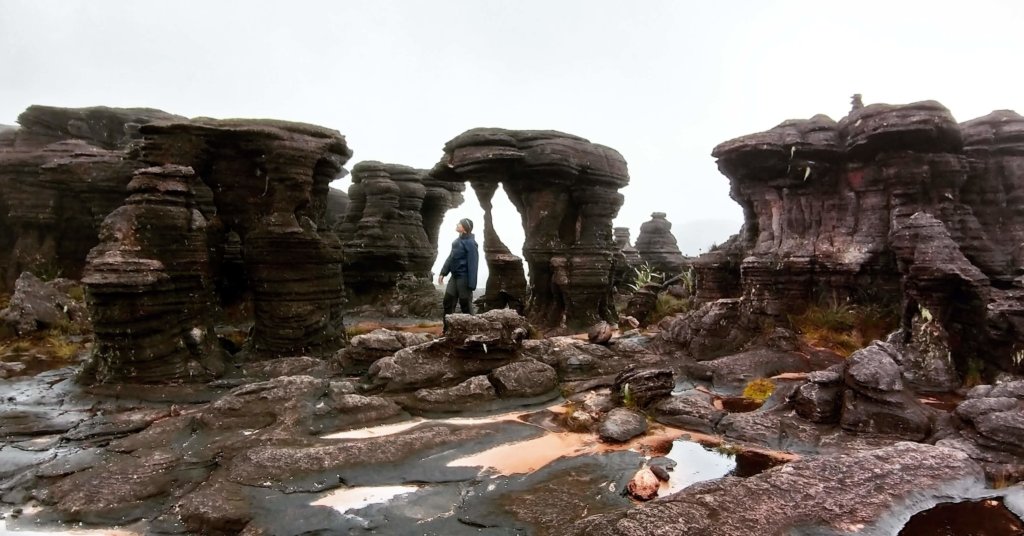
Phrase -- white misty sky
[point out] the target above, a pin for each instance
(662, 82)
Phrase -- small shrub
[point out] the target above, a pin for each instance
(628, 400)
(726, 449)
(759, 389)
(77, 293)
(668, 305)
(845, 328)
(61, 348)
(645, 275)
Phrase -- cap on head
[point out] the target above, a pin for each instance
(466, 224)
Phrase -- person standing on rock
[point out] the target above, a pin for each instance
(462, 264)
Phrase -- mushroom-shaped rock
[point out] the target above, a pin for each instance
(566, 191)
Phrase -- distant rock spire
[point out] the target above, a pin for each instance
(856, 103)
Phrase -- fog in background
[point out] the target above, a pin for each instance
(662, 82)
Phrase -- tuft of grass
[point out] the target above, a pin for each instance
(628, 400)
(5, 300)
(359, 329)
(973, 377)
(845, 328)
(759, 389)
(77, 293)
(61, 348)
(728, 450)
(668, 305)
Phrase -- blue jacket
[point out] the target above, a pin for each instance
(464, 259)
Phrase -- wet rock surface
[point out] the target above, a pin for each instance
(818, 495)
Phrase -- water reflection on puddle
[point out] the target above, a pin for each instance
(344, 500)
(694, 463)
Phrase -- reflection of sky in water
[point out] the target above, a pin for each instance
(695, 464)
(347, 499)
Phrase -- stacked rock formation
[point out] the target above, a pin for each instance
(385, 234)
(626, 260)
(61, 173)
(506, 280)
(149, 285)
(337, 207)
(566, 191)
(270, 181)
(890, 197)
(657, 246)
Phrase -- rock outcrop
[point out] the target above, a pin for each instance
(149, 285)
(627, 260)
(506, 280)
(61, 173)
(890, 198)
(269, 181)
(389, 251)
(871, 492)
(566, 191)
(657, 246)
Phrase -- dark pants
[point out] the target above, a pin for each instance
(457, 291)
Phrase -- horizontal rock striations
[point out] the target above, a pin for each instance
(566, 191)
(890, 198)
(61, 173)
(390, 235)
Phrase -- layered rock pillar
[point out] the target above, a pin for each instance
(270, 181)
(61, 173)
(506, 280)
(894, 203)
(390, 236)
(657, 246)
(566, 191)
(149, 285)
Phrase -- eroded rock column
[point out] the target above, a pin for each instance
(658, 247)
(566, 191)
(148, 286)
(506, 280)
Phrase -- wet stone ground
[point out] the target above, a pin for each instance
(74, 460)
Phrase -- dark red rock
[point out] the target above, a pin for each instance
(566, 191)
(644, 485)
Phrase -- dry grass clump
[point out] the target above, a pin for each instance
(845, 328)
(668, 305)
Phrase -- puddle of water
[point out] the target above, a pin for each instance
(344, 500)
(738, 404)
(985, 517)
(375, 431)
(394, 428)
(694, 463)
(529, 456)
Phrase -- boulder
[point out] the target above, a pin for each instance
(526, 378)
(622, 424)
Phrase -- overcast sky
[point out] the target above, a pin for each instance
(662, 82)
